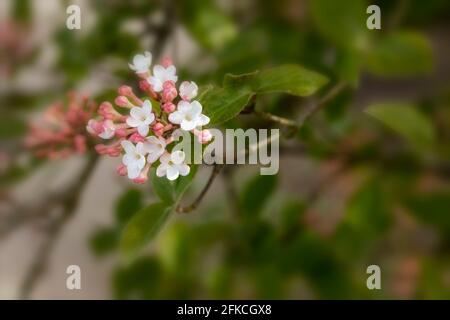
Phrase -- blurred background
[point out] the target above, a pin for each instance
(351, 192)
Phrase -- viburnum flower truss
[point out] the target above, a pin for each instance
(145, 132)
(61, 132)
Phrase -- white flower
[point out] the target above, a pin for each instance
(189, 115)
(104, 130)
(155, 147)
(161, 75)
(188, 90)
(134, 158)
(172, 165)
(141, 62)
(141, 118)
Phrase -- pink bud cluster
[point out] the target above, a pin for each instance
(142, 128)
(61, 130)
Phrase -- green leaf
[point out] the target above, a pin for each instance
(104, 241)
(183, 183)
(401, 54)
(162, 187)
(223, 104)
(367, 218)
(406, 120)
(291, 79)
(144, 226)
(128, 204)
(256, 193)
(12, 127)
(432, 208)
(343, 22)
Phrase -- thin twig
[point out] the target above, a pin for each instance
(215, 171)
(68, 207)
(312, 109)
(230, 190)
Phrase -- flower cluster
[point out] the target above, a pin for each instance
(61, 130)
(142, 129)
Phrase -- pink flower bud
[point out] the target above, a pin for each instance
(169, 107)
(136, 137)
(169, 91)
(114, 151)
(101, 149)
(121, 132)
(204, 136)
(106, 110)
(125, 91)
(166, 62)
(122, 101)
(140, 180)
(158, 128)
(121, 170)
(146, 87)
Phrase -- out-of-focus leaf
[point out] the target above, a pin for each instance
(291, 79)
(11, 127)
(367, 218)
(256, 193)
(406, 120)
(401, 54)
(22, 11)
(209, 25)
(432, 208)
(143, 227)
(343, 22)
(312, 257)
(128, 204)
(222, 104)
(104, 241)
(162, 187)
(140, 280)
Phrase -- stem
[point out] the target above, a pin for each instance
(198, 200)
(309, 111)
(68, 206)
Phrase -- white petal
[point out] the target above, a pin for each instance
(196, 108)
(184, 106)
(127, 146)
(147, 107)
(177, 157)
(137, 113)
(132, 122)
(153, 156)
(140, 148)
(188, 125)
(176, 117)
(143, 130)
(202, 120)
(188, 90)
(155, 83)
(133, 171)
(161, 170)
(150, 118)
(172, 173)
(141, 162)
(165, 158)
(171, 74)
(183, 169)
(127, 159)
(159, 71)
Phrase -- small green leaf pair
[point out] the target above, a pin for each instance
(146, 223)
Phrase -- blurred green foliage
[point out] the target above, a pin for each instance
(266, 244)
